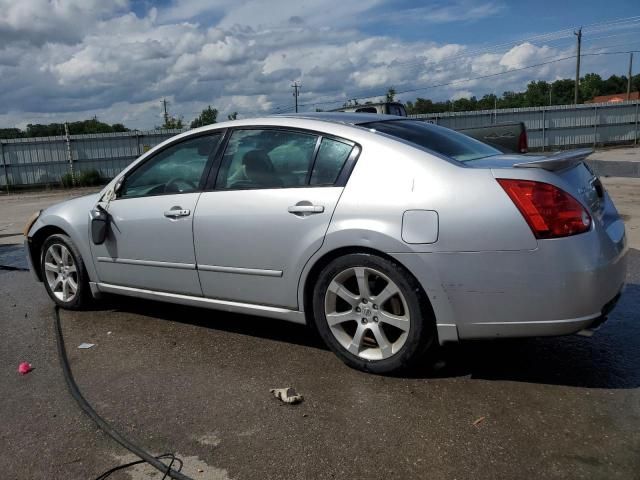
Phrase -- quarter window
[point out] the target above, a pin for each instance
(332, 156)
(177, 169)
(266, 159)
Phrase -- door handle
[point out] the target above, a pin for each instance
(305, 209)
(176, 212)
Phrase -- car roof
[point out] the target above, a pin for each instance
(349, 118)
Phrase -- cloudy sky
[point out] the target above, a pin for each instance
(73, 59)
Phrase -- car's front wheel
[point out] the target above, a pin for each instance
(372, 313)
(64, 274)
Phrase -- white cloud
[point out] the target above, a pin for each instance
(443, 12)
(66, 21)
(461, 94)
(525, 54)
(80, 58)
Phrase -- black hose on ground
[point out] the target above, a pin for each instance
(102, 424)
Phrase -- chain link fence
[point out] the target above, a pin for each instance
(49, 160)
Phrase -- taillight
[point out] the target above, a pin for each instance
(549, 211)
(523, 143)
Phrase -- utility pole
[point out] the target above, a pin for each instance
(629, 77)
(495, 108)
(296, 93)
(166, 114)
(579, 35)
(69, 154)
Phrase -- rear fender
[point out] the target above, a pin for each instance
(417, 264)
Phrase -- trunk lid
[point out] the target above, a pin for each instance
(570, 166)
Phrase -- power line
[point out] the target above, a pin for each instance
(563, 35)
(455, 82)
(559, 36)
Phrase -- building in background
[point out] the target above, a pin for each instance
(615, 98)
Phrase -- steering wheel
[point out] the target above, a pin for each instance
(172, 185)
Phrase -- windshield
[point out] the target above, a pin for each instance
(439, 139)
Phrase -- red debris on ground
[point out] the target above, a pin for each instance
(24, 368)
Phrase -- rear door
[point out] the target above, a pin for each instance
(150, 239)
(270, 208)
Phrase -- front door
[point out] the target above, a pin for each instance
(150, 240)
(274, 197)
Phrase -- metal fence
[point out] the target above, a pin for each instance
(45, 160)
(557, 127)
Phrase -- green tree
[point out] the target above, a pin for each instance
(512, 100)
(425, 105)
(232, 116)
(465, 104)
(390, 95)
(614, 84)
(11, 133)
(537, 94)
(591, 85)
(635, 83)
(172, 123)
(562, 91)
(75, 128)
(487, 102)
(208, 116)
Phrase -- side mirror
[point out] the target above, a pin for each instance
(99, 225)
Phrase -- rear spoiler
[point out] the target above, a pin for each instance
(558, 161)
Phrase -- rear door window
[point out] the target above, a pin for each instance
(266, 159)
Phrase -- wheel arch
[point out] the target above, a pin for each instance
(52, 224)
(35, 245)
(309, 281)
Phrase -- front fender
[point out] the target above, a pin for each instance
(73, 218)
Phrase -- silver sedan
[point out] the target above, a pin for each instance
(387, 235)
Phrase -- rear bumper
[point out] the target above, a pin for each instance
(597, 323)
(542, 328)
(564, 286)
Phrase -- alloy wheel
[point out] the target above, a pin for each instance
(61, 272)
(367, 313)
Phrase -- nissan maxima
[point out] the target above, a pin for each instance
(387, 235)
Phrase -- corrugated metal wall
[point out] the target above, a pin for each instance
(41, 161)
(44, 160)
(557, 127)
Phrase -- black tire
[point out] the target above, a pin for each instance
(422, 332)
(83, 296)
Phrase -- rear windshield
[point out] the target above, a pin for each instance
(441, 140)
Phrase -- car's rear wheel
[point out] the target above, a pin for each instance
(372, 313)
(64, 274)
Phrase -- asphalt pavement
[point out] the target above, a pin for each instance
(196, 382)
